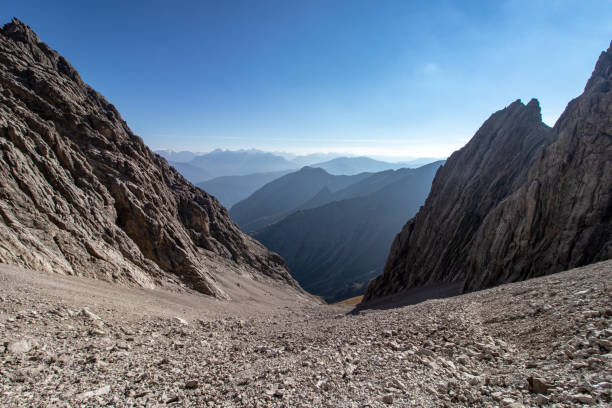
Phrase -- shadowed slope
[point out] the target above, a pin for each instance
(519, 200)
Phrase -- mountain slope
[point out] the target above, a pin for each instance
(80, 194)
(231, 189)
(282, 196)
(182, 156)
(379, 180)
(519, 200)
(335, 249)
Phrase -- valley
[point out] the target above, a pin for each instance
(312, 280)
(337, 242)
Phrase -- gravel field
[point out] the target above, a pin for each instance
(69, 342)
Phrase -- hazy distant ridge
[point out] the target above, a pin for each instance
(333, 250)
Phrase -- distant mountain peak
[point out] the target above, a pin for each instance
(310, 169)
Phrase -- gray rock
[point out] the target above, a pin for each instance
(605, 343)
(94, 393)
(88, 314)
(387, 399)
(81, 194)
(19, 347)
(583, 398)
(519, 200)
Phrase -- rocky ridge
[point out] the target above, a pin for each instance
(287, 194)
(519, 200)
(80, 194)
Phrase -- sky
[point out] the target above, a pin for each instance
(378, 77)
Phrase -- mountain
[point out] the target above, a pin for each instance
(240, 163)
(182, 156)
(368, 185)
(418, 162)
(231, 189)
(199, 168)
(334, 250)
(313, 158)
(377, 181)
(519, 200)
(284, 195)
(355, 165)
(82, 195)
(192, 173)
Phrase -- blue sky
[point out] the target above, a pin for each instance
(386, 78)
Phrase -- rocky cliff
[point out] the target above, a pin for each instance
(80, 194)
(561, 217)
(519, 200)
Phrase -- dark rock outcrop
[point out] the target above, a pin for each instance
(80, 194)
(519, 200)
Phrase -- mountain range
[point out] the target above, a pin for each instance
(231, 189)
(173, 156)
(232, 176)
(241, 162)
(198, 167)
(285, 195)
(355, 165)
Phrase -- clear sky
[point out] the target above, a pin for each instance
(377, 77)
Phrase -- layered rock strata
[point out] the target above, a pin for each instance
(80, 194)
(519, 200)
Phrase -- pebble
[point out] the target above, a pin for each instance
(583, 398)
(88, 314)
(181, 321)
(98, 392)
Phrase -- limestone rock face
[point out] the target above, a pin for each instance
(80, 194)
(519, 200)
(431, 247)
(561, 217)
